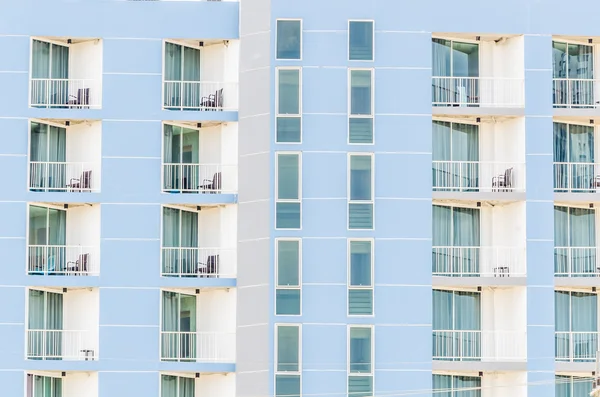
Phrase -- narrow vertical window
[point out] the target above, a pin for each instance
(360, 205)
(289, 39)
(360, 280)
(360, 123)
(288, 363)
(288, 203)
(288, 290)
(360, 40)
(360, 366)
(289, 113)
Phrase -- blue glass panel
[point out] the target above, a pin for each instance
(360, 302)
(289, 129)
(360, 350)
(289, 40)
(360, 91)
(288, 348)
(360, 130)
(287, 302)
(288, 216)
(360, 386)
(360, 216)
(288, 263)
(361, 41)
(287, 386)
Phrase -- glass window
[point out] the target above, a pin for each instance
(288, 348)
(456, 386)
(177, 386)
(360, 292)
(361, 192)
(287, 385)
(289, 106)
(361, 40)
(360, 127)
(289, 39)
(287, 299)
(575, 242)
(360, 386)
(288, 212)
(360, 350)
(181, 77)
(572, 386)
(43, 386)
(455, 59)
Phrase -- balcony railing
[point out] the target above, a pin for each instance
(63, 260)
(576, 346)
(65, 93)
(478, 92)
(63, 177)
(575, 93)
(198, 346)
(43, 344)
(199, 178)
(576, 262)
(199, 262)
(478, 176)
(479, 345)
(479, 262)
(576, 177)
(200, 95)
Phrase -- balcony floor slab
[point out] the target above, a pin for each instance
(491, 197)
(438, 281)
(588, 367)
(582, 198)
(577, 282)
(476, 111)
(484, 366)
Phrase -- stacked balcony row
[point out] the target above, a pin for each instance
(198, 75)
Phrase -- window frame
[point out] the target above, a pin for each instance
(177, 375)
(277, 200)
(163, 68)
(349, 285)
(460, 40)
(453, 391)
(301, 38)
(349, 188)
(275, 350)
(350, 374)
(361, 116)
(372, 21)
(570, 42)
(277, 287)
(286, 115)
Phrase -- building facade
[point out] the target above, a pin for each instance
(273, 198)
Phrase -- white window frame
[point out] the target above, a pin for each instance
(360, 374)
(278, 200)
(287, 287)
(287, 373)
(372, 44)
(288, 115)
(349, 187)
(361, 116)
(301, 38)
(360, 287)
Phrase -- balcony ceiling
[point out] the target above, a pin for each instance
(473, 118)
(472, 36)
(194, 124)
(74, 40)
(196, 42)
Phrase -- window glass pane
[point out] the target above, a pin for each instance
(289, 91)
(580, 62)
(288, 176)
(287, 302)
(559, 60)
(360, 263)
(360, 178)
(361, 130)
(288, 39)
(584, 318)
(287, 386)
(442, 385)
(360, 302)
(361, 41)
(467, 386)
(288, 263)
(288, 347)
(360, 350)
(172, 62)
(360, 216)
(168, 386)
(287, 216)
(465, 59)
(441, 57)
(289, 129)
(360, 91)
(360, 386)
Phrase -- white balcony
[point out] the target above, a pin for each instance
(576, 346)
(66, 73)
(576, 262)
(63, 177)
(62, 260)
(200, 95)
(478, 176)
(199, 262)
(494, 92)
(575, 93)
(491, 346)
(200, 178)
(576, 177)
(60, 345)
(479, 262)
(198, 346)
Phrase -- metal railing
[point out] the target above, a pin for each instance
(478, 176)
(576, 262)
(63, 176)
(197, 346)
(44, 344)
(576, 177)
(200, 95)
(199, 262)
(479, 261)
(478, 91)
(63, 260)
(199, 178)
(66, 93)
(576, 346)
(574, 93)
(479, 345)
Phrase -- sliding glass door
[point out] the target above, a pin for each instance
(181, 149)
(574, 157)
(456, 241)
(43, 386)
(177, 386)
(47, 156)
(44, 325)
(47, 239)
(182, 77)
(576, 319)
(49, 73)
(575, 242)
(180, 242)
(178, 326)
(455, 156)
(573, 73)
(455, 72)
